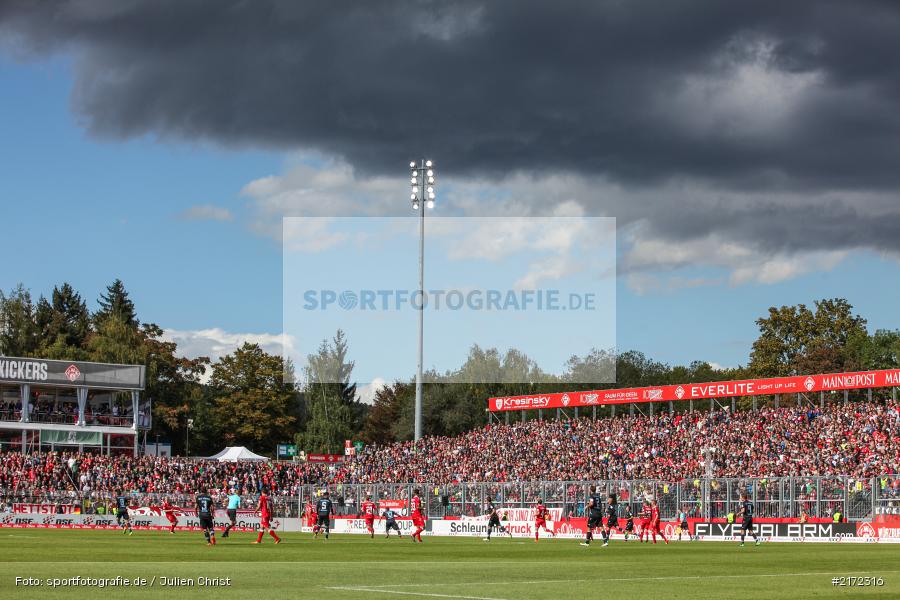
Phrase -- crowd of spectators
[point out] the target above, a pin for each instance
(859, 440)
(856, 439)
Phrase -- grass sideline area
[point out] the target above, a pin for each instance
(352, 566)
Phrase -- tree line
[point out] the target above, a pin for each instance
(256, 399)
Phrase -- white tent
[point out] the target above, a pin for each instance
(236, 453)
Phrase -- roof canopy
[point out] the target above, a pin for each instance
(236, 453)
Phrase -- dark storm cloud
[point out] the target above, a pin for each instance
(489, 86)
(784, 115)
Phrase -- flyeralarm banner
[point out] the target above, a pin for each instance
(694, 391)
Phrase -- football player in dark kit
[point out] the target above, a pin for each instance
(206, 509)
(493, 519)
(629, 523)
(747, 522)
(390, 522)
(594, 515)
(122, 517)
(612, 519)
(324, 512)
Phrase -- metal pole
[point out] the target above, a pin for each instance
(422, 201)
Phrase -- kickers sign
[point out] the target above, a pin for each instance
(885, 527)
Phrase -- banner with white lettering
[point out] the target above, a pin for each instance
(694, 391)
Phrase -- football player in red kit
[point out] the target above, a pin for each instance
(265, 515)
(169, 511)
(654, 522)
(310, 512)
(368, 513)
(645, 521)
(418, 518)
(541, 514)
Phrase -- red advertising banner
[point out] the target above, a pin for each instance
(695, 391)
(325, 458)
(45, 509)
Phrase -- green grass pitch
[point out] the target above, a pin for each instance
(350, 566)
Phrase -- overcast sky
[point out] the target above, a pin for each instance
(749, 151)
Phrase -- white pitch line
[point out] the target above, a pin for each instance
(536, 581)
(431, 595)
(379, 588)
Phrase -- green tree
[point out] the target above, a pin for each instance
(116, 303)
(174, 388)
(253, 403)
(329, 374)
(18, 330)
(881, 350)
(598, 366)
(330, 423)
(796, 339)
(382, 423)
(63, 324)
(115, 341)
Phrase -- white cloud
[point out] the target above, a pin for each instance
(657, 283)
(553, 268)
(746, 262)
(746, 95)
(757, 236)
(206, 212)
(310, 235)
(216, 343)
(367, 392)
(781, 267)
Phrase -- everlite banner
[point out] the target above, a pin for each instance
(71, 373)
(696, 391)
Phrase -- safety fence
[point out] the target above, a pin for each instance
(855, 499)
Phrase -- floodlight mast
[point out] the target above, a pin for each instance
(422, 197)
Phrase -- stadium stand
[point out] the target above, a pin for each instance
(859, 440)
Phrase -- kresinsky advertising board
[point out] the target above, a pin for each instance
(71, 373)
